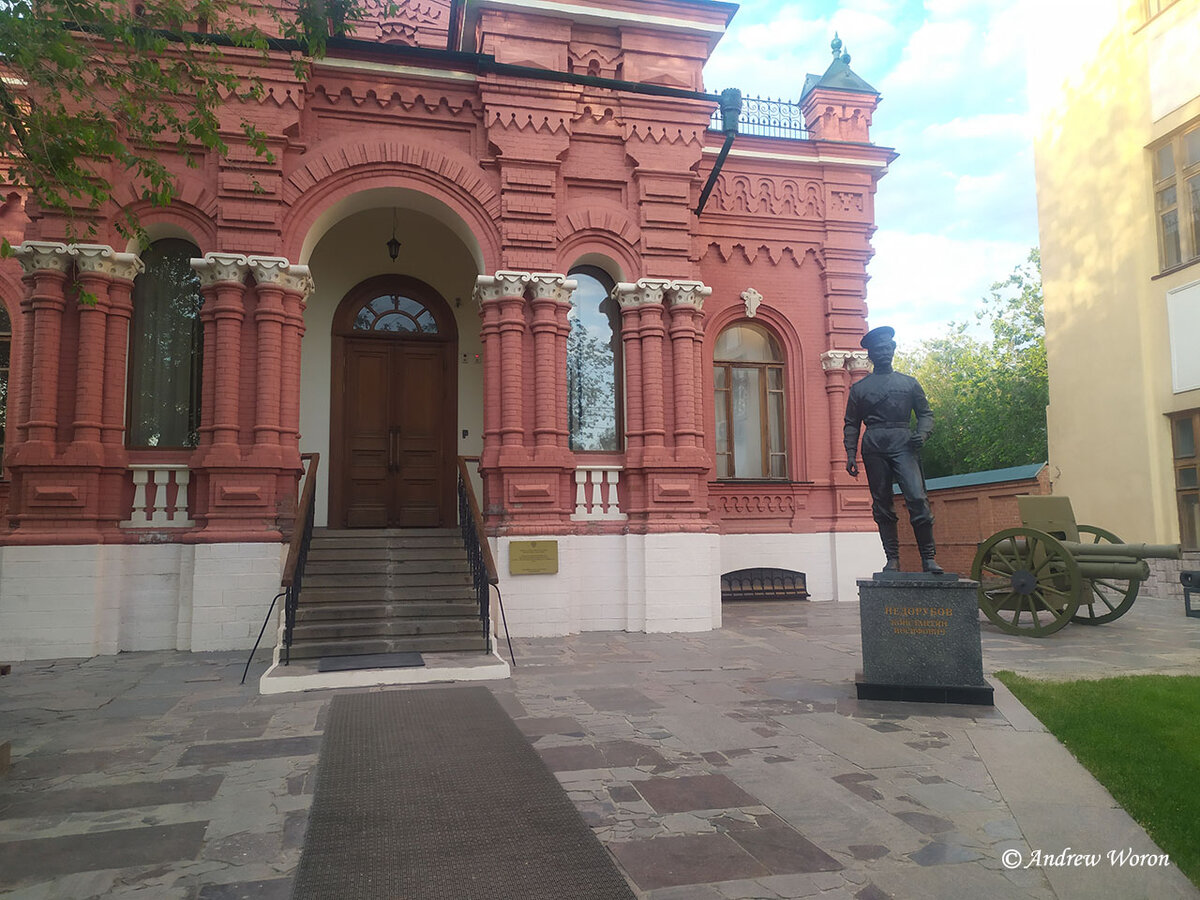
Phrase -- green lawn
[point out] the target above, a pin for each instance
(1140, 736)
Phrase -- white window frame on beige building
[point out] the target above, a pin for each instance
(1174, 171)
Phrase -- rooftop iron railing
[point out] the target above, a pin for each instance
(764, 117)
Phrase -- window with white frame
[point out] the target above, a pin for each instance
(750, 408)
(1177, 197)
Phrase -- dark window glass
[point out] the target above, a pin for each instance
(593, 351)
(395, 314)
(166, 354)
(1185, 428)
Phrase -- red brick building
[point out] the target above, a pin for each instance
(657, 388)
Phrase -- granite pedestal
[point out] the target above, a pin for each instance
(920, 640)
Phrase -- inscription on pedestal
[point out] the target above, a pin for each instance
(920, 641)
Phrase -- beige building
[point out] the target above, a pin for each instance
(1115, 96)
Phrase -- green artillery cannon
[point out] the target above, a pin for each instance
(1050, 571)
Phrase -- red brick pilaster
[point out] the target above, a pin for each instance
(124, 268)
(686, 311)
(93, 263)
(551, 295)
(269, 317)
(47, 265)
(222, 281)
(297, 288)
(833, 362)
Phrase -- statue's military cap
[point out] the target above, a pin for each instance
(877, 336)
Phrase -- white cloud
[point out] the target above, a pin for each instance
(922, 282)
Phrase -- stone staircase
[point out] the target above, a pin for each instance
(386, 591)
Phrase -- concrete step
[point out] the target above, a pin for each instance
(383, 628)
(371, 554)
(386, 579)
(420, 643)
(377, 593)
(395, 566)
(350, 611)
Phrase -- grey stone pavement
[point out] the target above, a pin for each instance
(727, 765)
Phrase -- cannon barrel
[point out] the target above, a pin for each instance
(1128, 551)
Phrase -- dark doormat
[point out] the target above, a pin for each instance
(436, 795)
(369, 661)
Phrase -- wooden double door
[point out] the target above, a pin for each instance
(396, 459)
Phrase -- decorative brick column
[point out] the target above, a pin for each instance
(833, 362)
(269, 317)
(243, 490)
(665, 474)
(686, 310)
(46, 265)
(279, 325)
(222, 282)
(297, 286)
(551, 293)
(526, 469)
(123, 268)
(93, 263)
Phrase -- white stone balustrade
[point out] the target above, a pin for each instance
(152, 499)
(591, 504)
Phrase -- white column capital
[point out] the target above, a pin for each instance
(858, 361)
(40, 256)
(688, 293)
(92, 258)
(552, 286)
(279, 272)
(502, 284)
(126, 266)
(834, 360)
(215, 268)
(643, 292)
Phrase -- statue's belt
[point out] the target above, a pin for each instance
(887, 425)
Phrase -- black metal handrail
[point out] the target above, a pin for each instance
(764, 117)
(293, 569)
(479, 553)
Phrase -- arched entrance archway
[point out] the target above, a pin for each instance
(393, 407)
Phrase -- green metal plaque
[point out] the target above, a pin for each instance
(533, 557)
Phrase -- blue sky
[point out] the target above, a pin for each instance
(957, 210)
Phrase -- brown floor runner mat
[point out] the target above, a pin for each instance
(436, 795)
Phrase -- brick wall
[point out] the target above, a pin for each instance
(966, 515)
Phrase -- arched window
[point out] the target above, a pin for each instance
(395, 314)
(593, 351)
(748, 383)
(5, 361)
(165, 348)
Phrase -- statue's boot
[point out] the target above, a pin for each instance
(890, 535)
(925, 545)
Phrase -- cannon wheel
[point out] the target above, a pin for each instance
(1104, 599)
(1028, 582)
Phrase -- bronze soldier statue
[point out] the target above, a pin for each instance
(884, 401)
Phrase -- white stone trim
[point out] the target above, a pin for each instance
(753, 299)
(388, 68)
(832, 562)
(803, 157)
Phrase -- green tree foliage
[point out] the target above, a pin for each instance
(989, 397)
(98, 92)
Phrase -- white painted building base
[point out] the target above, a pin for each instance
(90, 600)
(831, 562)
(616, 582)
(668, 582)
